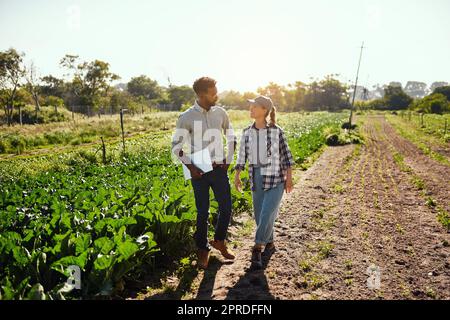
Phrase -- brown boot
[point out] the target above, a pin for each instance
(203, 258)
(256, 259)
(222, 247)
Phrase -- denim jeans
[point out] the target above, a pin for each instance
(265, 206)
(218, 181)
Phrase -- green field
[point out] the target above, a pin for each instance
(430, 132)
(116, 221)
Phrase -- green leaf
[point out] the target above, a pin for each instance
(104, 245)
(62, 263)
(127, 249)
(82, 243)
(103, 262)
(21, 255)
(36, 292)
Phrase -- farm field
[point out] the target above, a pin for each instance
(358, 211)
(117, 220)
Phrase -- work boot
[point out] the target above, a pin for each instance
(269, 249)
(222, 247)
(203, 258)
(256, 259)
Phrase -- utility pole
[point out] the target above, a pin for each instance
(354, 91)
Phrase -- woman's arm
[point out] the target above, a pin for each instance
(287, 161)
(288, 185)
(240, 163)
(237, 180)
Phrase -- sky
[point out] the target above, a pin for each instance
(243, 44)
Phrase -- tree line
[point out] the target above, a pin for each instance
(395, 98)
(86, 88)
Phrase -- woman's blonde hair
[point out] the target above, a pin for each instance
(272, 114)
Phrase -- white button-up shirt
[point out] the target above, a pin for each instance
(204, 129)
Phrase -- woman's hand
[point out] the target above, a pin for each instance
(237, 181)
(288, 184)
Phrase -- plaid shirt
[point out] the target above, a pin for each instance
(279, 157)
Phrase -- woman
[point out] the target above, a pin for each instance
(264, 146)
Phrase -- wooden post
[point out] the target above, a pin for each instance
(103, 151)
(121, 126)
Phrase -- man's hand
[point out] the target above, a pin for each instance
(196, 173)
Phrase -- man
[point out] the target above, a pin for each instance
(203, 125)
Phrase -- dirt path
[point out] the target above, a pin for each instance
(357, 212)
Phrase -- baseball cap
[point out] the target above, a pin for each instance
(262, 101)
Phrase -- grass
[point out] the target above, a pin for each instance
(306, 265)
(428, 139)
(399, 229)
(430, 293)
(313, 280)
(325, 248)
(443, 216)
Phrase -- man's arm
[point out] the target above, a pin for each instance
(179, 139)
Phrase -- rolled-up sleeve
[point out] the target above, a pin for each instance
(179, 138)
(242, 155)
(286, 158)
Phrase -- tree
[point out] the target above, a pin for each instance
(33, 87)
(143, 86)
(54, 102)
(433, 103)
(52, 86)
(327, 94)
(333, 94)
(438, 84)
(179, 95)
(11, 75)
(395, 98)
(443, 90)
(119, 99)
(275, 92)
(232, 99)
(91, 80)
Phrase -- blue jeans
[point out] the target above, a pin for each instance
(265, 206)
(218, 181)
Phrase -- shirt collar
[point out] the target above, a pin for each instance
(198, 108)
(254, 126)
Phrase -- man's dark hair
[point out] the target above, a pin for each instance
(202, 84)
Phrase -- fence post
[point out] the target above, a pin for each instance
(121, 126)
(103, 151)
